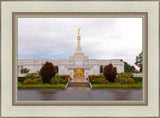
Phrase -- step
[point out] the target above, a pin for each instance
(78, 84)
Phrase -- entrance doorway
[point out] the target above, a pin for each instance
(78, 72)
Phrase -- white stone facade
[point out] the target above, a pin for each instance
(67, 66)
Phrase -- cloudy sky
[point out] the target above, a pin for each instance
(101, 38)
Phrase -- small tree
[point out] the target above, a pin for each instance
(47, 72)
(24, 70)
(129, 68)
(110, 72)
(139, 61)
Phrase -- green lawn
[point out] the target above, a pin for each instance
(20, 85)
(117, 85)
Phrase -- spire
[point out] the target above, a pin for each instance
(78, 42)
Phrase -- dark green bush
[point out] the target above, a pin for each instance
(62, 76)
(21, 79)
(137, 79)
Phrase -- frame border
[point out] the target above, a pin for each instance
(80, 0)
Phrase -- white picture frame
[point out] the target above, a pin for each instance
(9, 110)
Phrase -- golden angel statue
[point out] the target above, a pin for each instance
(78, 31)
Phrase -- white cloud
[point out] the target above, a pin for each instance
(101, 38)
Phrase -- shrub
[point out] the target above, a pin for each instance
(110, 72)
(28, 81)
(122, 80)
(41, 86)
(37, 81)
(63, 81)
(32, 76)
(47, 72)
(21, 79)
(99, 81)
(137, 79)
(125, 74)
(130, 81)
(62, 76)
(117, 85)
(96, 76)
(55, 80)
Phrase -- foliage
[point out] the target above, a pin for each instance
(62, 76)
(57, 80)
(110, 72)
(122, 80)
(47, 72)
(32, 76)
(117, 85)
(63, 81)
(34, 81)
(24, 70)
(139, 61)
(99, 81)
(130, 81)
(41, 85)
(96, 76)
(137, 79)
(101, 69)
(21, 79)
(129, 68)
(28, 81)
(38, 81)
(125, 74)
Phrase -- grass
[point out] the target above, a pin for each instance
(20, 85)
(117, 85)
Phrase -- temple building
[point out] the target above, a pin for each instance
(77, 66)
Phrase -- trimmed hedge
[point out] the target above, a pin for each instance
(117, 85)
(21, 79)
(20, 85)
(99, 81)
(137, 79)
(96, 76)
(62, 76)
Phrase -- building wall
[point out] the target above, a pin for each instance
(93, 65)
